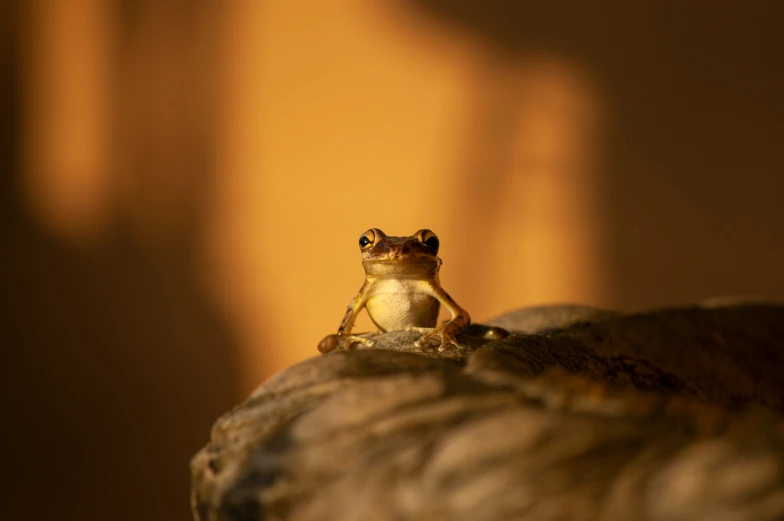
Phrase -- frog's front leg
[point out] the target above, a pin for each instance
(445, 332)
(344, 340)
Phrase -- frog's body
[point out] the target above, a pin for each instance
(400, 304)
(401, 290)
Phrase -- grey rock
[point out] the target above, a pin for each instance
(546, 318)
(671, 415)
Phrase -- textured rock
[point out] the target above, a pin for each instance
(667, 415)
(544, 318)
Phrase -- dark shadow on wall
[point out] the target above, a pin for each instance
(115, 364)
(693, 175)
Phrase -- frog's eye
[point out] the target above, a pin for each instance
(429, 238)
(367, 239)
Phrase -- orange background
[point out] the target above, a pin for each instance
(188, 181)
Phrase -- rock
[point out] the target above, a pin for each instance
(727, 355)
(545, 318)
(674, 414)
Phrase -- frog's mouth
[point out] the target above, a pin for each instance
(413, 269)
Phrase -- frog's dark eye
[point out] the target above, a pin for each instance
(367, 239)
(429, 239)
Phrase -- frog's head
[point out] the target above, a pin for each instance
(399, 255)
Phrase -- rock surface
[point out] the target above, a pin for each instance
(670, 415)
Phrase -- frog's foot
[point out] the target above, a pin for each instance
(446, 332)
(343, 342)
(348, 341)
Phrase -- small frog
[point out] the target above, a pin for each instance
(401, 291)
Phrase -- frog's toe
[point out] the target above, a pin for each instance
(423, 341)
(446, 341)
(362, 340)
(329, 344)
(346, 343)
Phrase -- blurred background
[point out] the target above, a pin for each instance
(184, 184)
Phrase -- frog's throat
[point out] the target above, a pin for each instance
(424, 269)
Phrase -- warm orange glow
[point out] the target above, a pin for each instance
(67, 132)
(547, 240)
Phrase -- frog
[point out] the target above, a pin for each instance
(401, 291)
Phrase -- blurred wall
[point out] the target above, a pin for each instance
(186, 182)
(117, 358)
